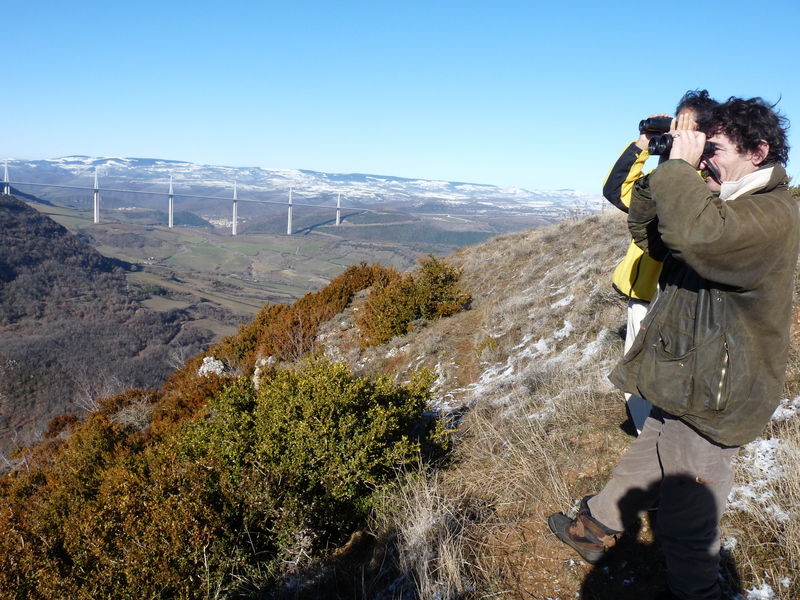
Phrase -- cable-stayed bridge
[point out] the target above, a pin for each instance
(171, 195)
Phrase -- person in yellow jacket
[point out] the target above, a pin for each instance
(636, 277)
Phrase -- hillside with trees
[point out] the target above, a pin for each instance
(393, 435)
(71, 328)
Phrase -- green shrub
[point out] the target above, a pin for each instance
(388, 312)
(437, 289)
(393, 305)
(303, 454)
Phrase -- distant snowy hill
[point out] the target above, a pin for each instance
(272, 185)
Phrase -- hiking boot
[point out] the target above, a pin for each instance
(589, 537)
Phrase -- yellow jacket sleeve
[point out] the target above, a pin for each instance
(637, 275)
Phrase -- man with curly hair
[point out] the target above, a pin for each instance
(711, 353)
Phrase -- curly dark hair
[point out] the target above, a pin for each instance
(697, 100)
(747, 123)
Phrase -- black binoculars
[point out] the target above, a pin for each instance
(662, 144)
(655, 124)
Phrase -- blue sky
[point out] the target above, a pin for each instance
(526, 94)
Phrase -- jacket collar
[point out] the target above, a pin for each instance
(772, 175)
(730, 190)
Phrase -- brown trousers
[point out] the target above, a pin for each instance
(691, 478)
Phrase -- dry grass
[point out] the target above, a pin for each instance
(761, 530)
(789, 495)
(432, 534)
(476, 529)
(526, 366)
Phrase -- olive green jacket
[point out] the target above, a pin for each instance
(712, 350)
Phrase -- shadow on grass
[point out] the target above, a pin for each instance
(635, 569)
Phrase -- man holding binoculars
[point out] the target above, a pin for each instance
(711, 352)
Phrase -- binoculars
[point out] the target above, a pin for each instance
(655, 124)
(662, 144)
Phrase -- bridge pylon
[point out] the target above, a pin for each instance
(289, 224)
(96, 199)
(171, 202)
(235, 211)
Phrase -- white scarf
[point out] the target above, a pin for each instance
(730, 190)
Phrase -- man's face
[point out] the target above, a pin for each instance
(732, 165)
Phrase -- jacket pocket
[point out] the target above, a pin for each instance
(666, 379)
(696, 382)
(712, 376)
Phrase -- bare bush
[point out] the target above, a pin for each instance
(134, 416)
(91, 387)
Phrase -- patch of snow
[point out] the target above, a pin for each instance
(441, 378)
(397, 349)
(544, 414)
(788, 409)
(593, 348)
(525, 339)
(566, 301)
(564, 331)
(729, 543)
(540, 347)
(764, 592)
(760, 459)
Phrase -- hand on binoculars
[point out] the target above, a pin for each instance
(685, 120)
(688, 145)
